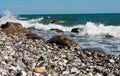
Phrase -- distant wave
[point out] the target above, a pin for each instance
(89, 28)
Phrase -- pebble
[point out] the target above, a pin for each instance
(111, 60)
(111, 74)
(39, 70)
(74, 70)
(65, 72)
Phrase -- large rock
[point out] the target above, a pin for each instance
(62, 40)
(11, 28)
(16, 29)
(17, 26)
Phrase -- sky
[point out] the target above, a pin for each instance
(60, 6)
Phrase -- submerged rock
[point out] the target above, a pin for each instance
(54, 21)
(62, 40)
(57, 30)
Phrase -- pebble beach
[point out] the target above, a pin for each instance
(27, 57)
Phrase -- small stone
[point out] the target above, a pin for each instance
(3, 62)
(90, 74)
(39, 70)
(110, 74)
(1, 70)
(111, 60)
(97, 74)
(24, 73)
(18, 74)
(65, 72)
(37, 74)
(29, 73)
(5, 57)
(74, 70)
(55, 74)
(49, 74)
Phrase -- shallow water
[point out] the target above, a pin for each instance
(98, 43)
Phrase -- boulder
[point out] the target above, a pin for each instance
(57, 30)
(16, 29)
(62, 40)
(16, 26)
(34, 37)
(11, 28)
(75, 30)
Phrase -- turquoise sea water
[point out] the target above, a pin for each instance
(75, 19)
(93, 28)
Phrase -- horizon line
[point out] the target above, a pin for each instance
(58, 13)
(63, 13)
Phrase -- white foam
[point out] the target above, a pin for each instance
(99, 29)
(88, 29)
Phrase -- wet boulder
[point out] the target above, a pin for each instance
(64, 41)
(16, 26)
(16, 29)
(75, 30)
(57, 30)
(11, 28)
(34, 37)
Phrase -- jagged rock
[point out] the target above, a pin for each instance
(62, 40)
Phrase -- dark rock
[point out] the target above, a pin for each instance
(108, 36)
(34, 37)
(57, 30)
(54, 21)
(75, 30)
(18, 74)
(62, 40)
(105, 74)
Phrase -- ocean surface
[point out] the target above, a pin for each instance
(93, 28)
